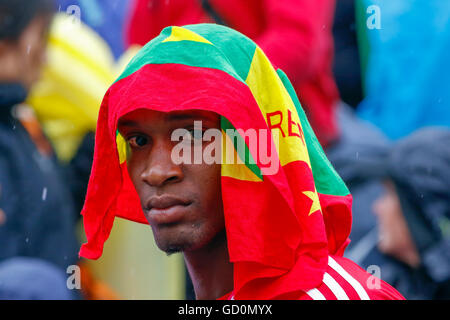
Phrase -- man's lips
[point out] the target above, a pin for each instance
(165, 209)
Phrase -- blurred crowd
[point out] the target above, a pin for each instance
(372, 75)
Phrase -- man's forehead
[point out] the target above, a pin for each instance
(145, 115)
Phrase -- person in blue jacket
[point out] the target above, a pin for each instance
(37, 216)
(407, 73)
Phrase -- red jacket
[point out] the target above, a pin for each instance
(295, 35)
(343, 280)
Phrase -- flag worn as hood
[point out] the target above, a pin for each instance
(280, 227)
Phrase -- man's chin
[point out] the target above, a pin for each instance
(181, 238)
(174, 238)
(179, 247)
(173, 249)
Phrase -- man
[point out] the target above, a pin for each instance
(413, 215)
(269, 218)
(37, 217)
(294, 34)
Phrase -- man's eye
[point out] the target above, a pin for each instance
(137, 141)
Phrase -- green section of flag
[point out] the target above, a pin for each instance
(226, 45)
(238, 48)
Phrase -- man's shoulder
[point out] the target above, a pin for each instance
(345, 280)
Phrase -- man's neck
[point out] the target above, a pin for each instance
(210, 269)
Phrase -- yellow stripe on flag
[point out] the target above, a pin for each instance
(278, 109)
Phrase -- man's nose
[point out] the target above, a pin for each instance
(160, 169)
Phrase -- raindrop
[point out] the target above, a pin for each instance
(28, 49)
(44, 194)
(26, 240)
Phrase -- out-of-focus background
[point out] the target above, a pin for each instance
(372, 75)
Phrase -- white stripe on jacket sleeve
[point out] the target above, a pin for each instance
(334, 287)
(315, 294)
(352, 281)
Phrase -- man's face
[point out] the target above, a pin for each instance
(182, 203)
(394, 236)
